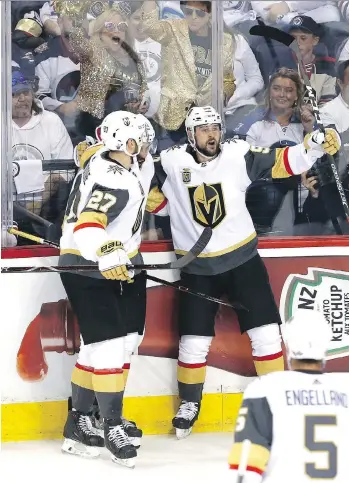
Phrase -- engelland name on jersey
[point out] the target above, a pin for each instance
(313, 397)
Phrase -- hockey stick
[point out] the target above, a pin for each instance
(246, 446)
(42, 241)
(36, 239)
(181, 288)
(291, 42)
(31, 216)
(176, 265)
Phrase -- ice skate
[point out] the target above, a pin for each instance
(80, 437)
(185, 418)
(133, 432)
(118, 443)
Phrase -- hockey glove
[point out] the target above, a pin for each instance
(112, 261)
(316, 141)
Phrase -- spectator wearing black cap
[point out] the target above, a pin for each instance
(320, 68)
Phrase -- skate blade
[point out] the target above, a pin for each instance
(70, 446)
(183, 433)
(136, 442)
(127, 462)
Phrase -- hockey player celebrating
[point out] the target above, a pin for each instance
(204, 184)
(302, 410)
(103, 225)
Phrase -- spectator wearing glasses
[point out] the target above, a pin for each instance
(112, 75)
(186, 76)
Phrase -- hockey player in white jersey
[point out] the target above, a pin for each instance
(83, 153)
(103, 225)
(204, 184)
(293, 426)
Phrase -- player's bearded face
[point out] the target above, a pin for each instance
(208, 139)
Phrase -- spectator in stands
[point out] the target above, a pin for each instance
(112, 75)
(283, 12)
(336, 112)
(26, 36)
(239, 14)
(37, 135)
(285, 118)
(170, 9)
(248, 81)
(58, 70)
(344, 53)
(320, 69)
(186, 65)
(283, 121)
(49, 19)
(149, 52)
(323, 201)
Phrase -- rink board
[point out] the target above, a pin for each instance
(42, 338)
(45, 420)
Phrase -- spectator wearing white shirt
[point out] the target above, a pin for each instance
(58, 69)
(37, 135)
(275, 11)
(149, 52)
(283, 122)
(336, 112)
(344, 54)
(285, 118)
(248, 81)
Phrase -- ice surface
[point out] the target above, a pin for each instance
(200, 458)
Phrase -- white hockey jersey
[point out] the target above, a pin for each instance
(298, 424)
(107, 202)
(213, 194)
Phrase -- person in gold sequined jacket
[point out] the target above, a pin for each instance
(186, 60)
(112, 74)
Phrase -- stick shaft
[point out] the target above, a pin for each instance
(34, 238)
(197, 294)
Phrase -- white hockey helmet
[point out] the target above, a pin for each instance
(149, 133)
(200, 116)
(307, 335)
(120, 126)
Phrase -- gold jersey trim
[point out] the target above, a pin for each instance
(258, 456)
(279, 170)
(224, 251)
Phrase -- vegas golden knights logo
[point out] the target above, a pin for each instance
(186, 175)
(207, 204)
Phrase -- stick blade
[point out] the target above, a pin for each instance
(272, 33)
(199, 246)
